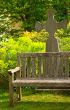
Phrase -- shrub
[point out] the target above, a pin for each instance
(40, 36)
(9, 49)
(61, 33)
(64, 44)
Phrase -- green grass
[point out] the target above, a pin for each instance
(37, 101)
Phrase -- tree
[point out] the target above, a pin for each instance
(28, 12)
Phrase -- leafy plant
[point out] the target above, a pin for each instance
(9, 49)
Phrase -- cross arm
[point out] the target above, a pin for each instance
(62, 24)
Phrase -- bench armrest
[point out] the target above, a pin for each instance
(12, 71)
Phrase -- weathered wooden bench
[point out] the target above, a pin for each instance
(50, 70)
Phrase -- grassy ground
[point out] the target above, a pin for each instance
(37, 101)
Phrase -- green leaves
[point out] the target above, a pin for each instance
(28, 12)
(9, 49)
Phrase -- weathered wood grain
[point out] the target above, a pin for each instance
(50, 70)
(39, 67)
(33, 67)
(29, 67)
(23, 67)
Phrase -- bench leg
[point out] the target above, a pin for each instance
(11, 90)
(19, 93)
(11, 96)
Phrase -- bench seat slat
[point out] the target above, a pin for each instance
(43, 82)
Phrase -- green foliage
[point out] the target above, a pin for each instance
(63, 33)
(28, 12)
(36, 36)
(9, 49)
(62, 7)
(3, 67)
(63, 39)
(65, 44)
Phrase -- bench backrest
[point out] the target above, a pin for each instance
(44, 65)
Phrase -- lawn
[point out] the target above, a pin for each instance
(32, 100)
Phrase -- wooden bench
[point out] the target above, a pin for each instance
(50, 70)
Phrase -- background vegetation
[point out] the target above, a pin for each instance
(23, 14)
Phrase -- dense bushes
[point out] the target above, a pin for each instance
(63, 39)
(37, 36)
(10, 48)
(64, 44)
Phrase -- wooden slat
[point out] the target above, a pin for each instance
(23, 64)
(44, 67)
(29, 67)
(18, 75)
(39, 67)
(47, 67)
(66, 66)
(56, 83)
(60, 74)
(44, 54)
(18, 60)
(56, 66)
(33, 67)
(50, 66)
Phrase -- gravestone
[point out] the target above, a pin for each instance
(51, 26)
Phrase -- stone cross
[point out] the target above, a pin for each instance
(51, 26)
